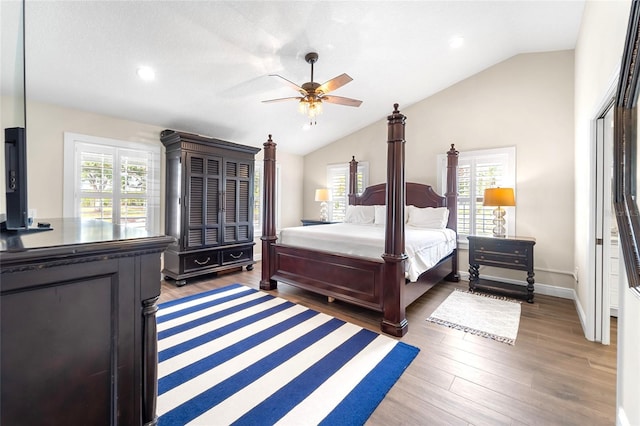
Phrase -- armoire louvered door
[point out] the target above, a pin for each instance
(203, 202)
(238, 193)
(209, 196)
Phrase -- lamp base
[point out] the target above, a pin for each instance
(499, 230)
(324, 216)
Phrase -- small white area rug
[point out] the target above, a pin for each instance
(481, 314)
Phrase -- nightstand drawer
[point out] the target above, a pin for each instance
(503, 247)
(500, 259)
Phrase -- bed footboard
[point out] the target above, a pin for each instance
(354, 280)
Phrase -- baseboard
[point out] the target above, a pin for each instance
(582, 316)
(622, 419)
(540, 288)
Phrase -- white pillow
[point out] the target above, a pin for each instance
(428, 217)
(360, 214)
(381, 214)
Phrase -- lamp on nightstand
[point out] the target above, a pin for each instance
(499, 197)
(323, 195)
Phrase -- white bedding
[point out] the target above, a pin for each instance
(423, 246)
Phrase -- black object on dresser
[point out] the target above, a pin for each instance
(209, 205)
(78, 324)
(510, 253)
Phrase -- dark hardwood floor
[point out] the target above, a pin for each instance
(551, 376)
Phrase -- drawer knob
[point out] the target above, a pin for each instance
(516, 261)
(481, 257)
(237, 256)
(202, 263)
(516, 251)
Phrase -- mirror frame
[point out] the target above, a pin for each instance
(625, 187)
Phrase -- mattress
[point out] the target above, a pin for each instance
(425, 247)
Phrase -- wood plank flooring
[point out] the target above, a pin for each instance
(551, 376)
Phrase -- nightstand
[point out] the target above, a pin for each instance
(310, 222)
(509, 253)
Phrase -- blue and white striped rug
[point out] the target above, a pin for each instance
(236, 355)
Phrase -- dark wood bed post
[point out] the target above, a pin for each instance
(268, 215)
(353, 180)
(452, 200)
(394, 320)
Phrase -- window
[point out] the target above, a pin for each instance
(338, 184)
(111, 180)
(258, 197)
(478, 170)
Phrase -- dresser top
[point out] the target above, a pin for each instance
(73, 236)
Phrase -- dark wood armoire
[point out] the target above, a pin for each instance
(209, 205)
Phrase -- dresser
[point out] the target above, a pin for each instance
(78, 326)
(209, 205)
(509, 253)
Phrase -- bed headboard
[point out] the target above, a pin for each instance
(416, 194)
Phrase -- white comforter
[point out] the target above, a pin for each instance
(423, 246)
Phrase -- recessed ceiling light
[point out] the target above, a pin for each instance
(456, 42)
(146, 73)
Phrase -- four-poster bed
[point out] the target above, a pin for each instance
(375, 283)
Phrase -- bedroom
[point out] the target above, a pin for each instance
(580, 80)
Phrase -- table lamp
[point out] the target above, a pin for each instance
(499, 197)
(323, 195)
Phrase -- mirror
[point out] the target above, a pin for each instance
(626, 153)
(12, 84)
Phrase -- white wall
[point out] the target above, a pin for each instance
(598, 56)
(526, 102)
(46, 125)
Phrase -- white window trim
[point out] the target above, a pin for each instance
(259, 168)
(71, 178)
(363, 167)
(508, 180)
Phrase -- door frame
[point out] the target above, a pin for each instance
(598, 312)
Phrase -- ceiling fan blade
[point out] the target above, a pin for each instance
(291, 84)
(334, 83)
(341, 101)
(297, 98)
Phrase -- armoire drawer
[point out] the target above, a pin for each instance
(237, 254)
(201, 260)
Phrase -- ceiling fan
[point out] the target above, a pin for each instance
(314, 94)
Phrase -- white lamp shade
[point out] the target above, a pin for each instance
(323, 194)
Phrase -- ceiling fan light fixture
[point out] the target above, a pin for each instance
(310, 107)
(313, 94)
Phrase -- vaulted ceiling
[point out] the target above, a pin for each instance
(212, 59)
